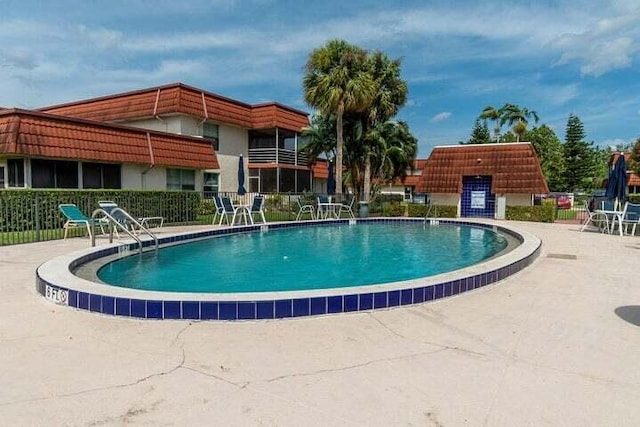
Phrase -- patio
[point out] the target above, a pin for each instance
(549, 346)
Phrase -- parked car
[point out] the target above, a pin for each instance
(563, 200)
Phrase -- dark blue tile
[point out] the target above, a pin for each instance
(283, 308)
(429, 293)
(108, 305)
(350, 303)
(246, 310)
(455, 287)
(172, 310)
(406, 297)
(448, 289)
(73, 298)
(334, 304)
(366, 301)
(418, 295)
(191, 310)
(380, 300)
(208, 310)
(228, 310)
(138, 308)
(83, 301)
(264, 310)
(154, 309)
(318, 306)
(123, 307)
(95, 303)
(394, 298)
(301, 307)
(439, 291)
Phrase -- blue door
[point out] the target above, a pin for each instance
(477, 200)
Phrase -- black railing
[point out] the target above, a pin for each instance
(280, 155)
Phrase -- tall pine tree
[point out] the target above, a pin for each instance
(580, 157)
(480, 134)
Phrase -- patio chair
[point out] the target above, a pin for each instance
(631, 217)
(305, 208)
(347, 207)
(229, 211)
(217, 201)
(75, 218)
(598, 219)
(257, 208)
(324, 207)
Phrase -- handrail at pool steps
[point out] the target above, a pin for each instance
(114, 222)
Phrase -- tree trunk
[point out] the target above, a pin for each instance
(338, 173)
(367, 180)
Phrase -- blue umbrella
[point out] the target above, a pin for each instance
(617, 185)
(331, 180)
(241, 189)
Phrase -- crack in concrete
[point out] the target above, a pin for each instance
(442, 346)
(92, 390)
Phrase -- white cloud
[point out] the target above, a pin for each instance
(440, 117)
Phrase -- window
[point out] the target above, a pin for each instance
(16, 172)
(101, 175)
(54, 174)
(1, 177)
(211, 184)
(211, 130)
(181, 179)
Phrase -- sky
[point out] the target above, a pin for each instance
(557, 58)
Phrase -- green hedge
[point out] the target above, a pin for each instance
(544, 213)
(418, 210)
(35, 210)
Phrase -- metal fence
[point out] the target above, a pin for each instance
(33, 215)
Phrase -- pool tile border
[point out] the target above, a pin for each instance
(48, 283)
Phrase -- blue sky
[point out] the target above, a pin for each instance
(554, 57)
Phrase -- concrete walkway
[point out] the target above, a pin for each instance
(555, 345)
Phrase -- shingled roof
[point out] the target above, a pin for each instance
(514, 168)
(178, 98)
(29, 133)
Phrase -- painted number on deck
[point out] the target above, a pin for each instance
(59, 296)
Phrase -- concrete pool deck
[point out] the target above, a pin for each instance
(557, 344)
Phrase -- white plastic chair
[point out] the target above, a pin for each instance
(347, 207)
(306, 208)
(598, 219)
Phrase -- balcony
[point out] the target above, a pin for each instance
(278, 156)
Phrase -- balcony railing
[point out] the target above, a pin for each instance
(280, 155)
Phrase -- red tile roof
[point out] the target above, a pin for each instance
(36, 134)
(514, 168)
(178, 98)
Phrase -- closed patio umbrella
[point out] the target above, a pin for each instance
(617, 185)
(241, 190)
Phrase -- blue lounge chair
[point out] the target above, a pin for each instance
(75, 218)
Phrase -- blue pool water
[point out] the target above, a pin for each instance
(306, 258)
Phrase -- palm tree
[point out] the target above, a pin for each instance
(392, 150)
(336, 82)
(319, 139)
(495, 115)
(390, 96)
(517, 117)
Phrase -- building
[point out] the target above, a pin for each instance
(473, 177)
(166, 137)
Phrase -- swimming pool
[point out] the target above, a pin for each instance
(55, 280)
(344, 255)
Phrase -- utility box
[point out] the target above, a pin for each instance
(501, 207)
